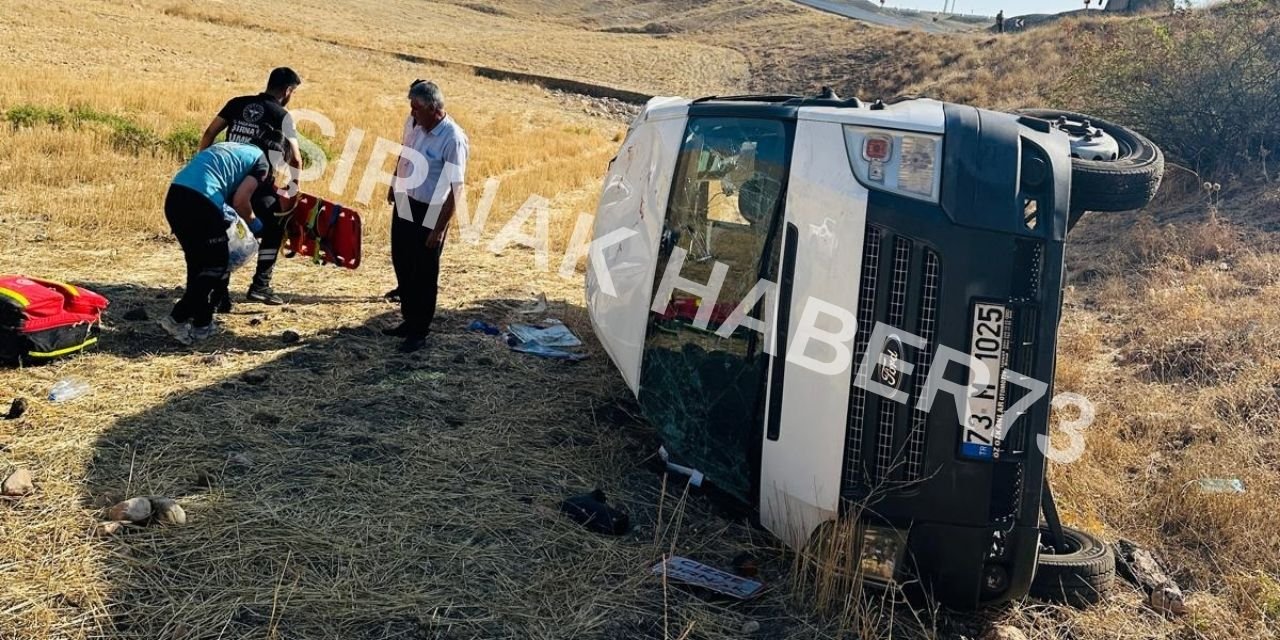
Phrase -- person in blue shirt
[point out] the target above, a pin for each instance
(227, 174)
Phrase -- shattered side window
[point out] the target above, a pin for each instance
(701, 389)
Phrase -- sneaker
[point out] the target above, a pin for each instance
(205, 332)
(181, 331)
(264, 295)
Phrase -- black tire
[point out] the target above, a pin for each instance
(1125, 184)
(1079, 578)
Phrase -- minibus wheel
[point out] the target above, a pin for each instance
(1079, 577)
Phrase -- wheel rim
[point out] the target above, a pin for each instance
(1088, 142)
(1046, 543)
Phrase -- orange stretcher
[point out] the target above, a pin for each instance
(325, 231)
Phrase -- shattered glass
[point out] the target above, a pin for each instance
(705, 392)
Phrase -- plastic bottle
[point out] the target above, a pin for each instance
(1221, 485)
(68, 389)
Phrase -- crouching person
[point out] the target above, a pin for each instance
(225, 174)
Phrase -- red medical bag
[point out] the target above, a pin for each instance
(44, 319)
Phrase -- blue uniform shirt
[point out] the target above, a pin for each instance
(217, 172)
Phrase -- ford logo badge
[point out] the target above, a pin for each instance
(889, 371)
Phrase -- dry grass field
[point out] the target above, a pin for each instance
(388, 496)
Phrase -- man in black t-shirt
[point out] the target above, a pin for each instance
(253, 119)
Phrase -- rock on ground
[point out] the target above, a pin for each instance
(133, 510)
(18, 484)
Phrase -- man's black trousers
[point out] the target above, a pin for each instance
(202, 233)
(417, 267)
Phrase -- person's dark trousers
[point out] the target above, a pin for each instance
(266, 206)
(202, 234)
(417, 268)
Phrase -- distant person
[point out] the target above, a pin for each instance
(248, 119)
(1000, 21)
(422, 210)
(223, 177)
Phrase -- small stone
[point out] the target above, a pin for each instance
(254, 377)
(750, 626)
(167, 511)
(133, 510)
(137, 314)
(18, 484)
(290, 336)
(240, 459)
(107, 529)
(16, 409)
(1004, 632)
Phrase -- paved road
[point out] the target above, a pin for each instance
(852, 10)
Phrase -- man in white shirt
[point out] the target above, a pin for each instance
(429, 177)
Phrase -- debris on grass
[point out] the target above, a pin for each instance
(484, 327)
(536, 306)
(693, 573)
(1221, 485)
(590, 511)
(1142, 568)
(555, 334)
(69, 389)
(16, 409)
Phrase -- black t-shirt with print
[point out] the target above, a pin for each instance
(254, 118)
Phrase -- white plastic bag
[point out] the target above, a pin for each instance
(241, 245)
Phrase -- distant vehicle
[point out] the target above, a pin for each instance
(741, 230)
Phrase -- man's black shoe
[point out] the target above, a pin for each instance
(224, 304)
(392, 295)
(399, 331)
(264, 295)
(414, 342)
